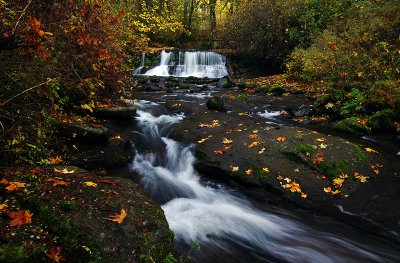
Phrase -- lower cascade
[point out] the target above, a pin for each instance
(198, 64)
(227, 225)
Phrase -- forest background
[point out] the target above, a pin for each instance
(58, 57)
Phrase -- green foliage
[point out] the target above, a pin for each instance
(304, 149)
(242, 96)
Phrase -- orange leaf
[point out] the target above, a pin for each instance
(4, 181)
(55, 160)
(228, 147)
(218, 152)
(281, 139)
(57, 182)
(20, 217)
(119, 218)
(15, 186)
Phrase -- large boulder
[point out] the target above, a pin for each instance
(382, 120)
(215, 103)
(115, 113)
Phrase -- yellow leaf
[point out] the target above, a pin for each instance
(370, 150)
(90, 184)
(262, 150)
(297, 170)
(338, 182)
(202, 140)
(253, 144)
(226, 141)
(281, 139)
(64, 171)
(3, 207)
(304, 195)
(363, 179)
(327, 189)
(116, 138)
(336, 192)
(320, 139)
(266, 170)
(249, 171)
(323, 146)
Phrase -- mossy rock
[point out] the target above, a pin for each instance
(116, 113)
(351, 126)
(215, 103)
(277, 90)
(223, 83)
(382, 121)
(184, 86)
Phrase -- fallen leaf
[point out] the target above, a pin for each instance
(57, 182)
(4, 181)
(323, 146)
(55, 160)
(105, 181)
(15, 186)
(64, 171)
(319, 158)
(202, 140)
(253, 136)
(228, 147)
(370, 150)
(116, 138)
(281, 139)
(297, 170)
(266, 170)
(338, 182)
(249, 171)
(336, 192)
(218, 152)
(304, 195)
(320, 139)
(226, 141)
(20, 217)
(3, 207)
(90, 184)
(262, 150)
(280, 177)
(327, 189)
(253, 144)
(235, 169)
(119, 218)
(55, 255)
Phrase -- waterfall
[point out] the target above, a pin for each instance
(223, 220)
(199, 64)
(139, 69)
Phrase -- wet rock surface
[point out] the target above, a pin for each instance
(257, 144)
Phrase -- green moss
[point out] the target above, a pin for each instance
(242, 96)
(184, 86)
(9, 253)
(261, 175)
(304, 148)
(351, 126)
(215, 103)
(333, 169)
(359, 154)
(262, 90)
(68, 205)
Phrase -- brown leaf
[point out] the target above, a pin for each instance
(119, 218)
(55, 255)
(107, 182)
(57, 182)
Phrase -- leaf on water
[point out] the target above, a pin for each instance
(13, 186)
(64, 171)
(20, 217)
(370, 150)
(90, 184)
(119, 218)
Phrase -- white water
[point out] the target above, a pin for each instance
(139, 69)
(269, 114)
(190, 63)
(218, 218)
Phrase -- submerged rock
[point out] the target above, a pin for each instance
(351, 126)
(215, 103)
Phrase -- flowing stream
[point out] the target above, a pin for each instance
(227, 224)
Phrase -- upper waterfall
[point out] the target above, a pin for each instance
(198, 64)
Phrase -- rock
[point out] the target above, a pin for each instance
(115, 113)
(300, 112)
(114, 154)
(382, 121)
(83, 131)
(351, 126)
(277, 90)
(215, 103)
(223, 83)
